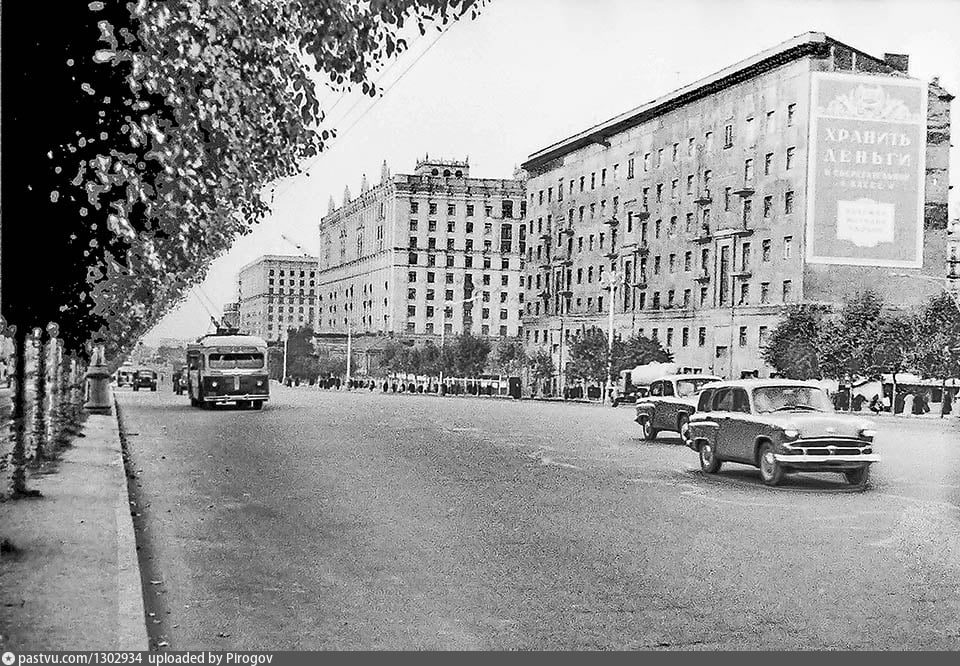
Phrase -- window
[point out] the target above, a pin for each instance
(765, 250)
(670, 298)
(672, 262)
(412, 276)
(686, 298)
(750, 132)
(744, 294)
(787, 247)
(767, 207)
(687, 261)
(743, 336)
(691, 143)
(728, 136)
(791, 111)
(747, 210)
(656, 301)
(629, 168)
(748, 171)
(690, 184)
(413, 225)
(593, 180)
(504, 280)
(411, 294)
(451, 209)
(433, 209)
(701, 336)
(767, 163)
(431, 277)
(659, 157)
(659, 192)
(414, 207)
(726, 198)
(656, 265)
(771, 126)
(791, 151)
(469, 210)
(669, 337)
(449, 261)
(708, 141)
(412, 258)
(764, 292)
(787, 291)
(689, 223)
(674, 184)
(762, 337)
(603, 177)
(676, 151)
(788, 203)
(745, 257)
(411, 310)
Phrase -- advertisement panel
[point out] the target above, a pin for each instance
(866, 170)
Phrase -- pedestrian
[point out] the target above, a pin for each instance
(908, 403)
(858, 401)
(946, 405)
(875, 404)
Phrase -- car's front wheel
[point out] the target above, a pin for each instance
(770, 470)
(859, 476)
(649, 432)
(709, 462)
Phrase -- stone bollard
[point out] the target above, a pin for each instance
(99, 398)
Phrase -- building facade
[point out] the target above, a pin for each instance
(429, 253)
(689, 215)
(276, 293)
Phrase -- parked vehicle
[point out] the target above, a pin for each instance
(780, 426)
(670, 402)
(125, 375)
(228, 369)
(145, 378)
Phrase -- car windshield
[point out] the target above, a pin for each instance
(146, 373)
(686, 387)
(227, 361)
(788, 398)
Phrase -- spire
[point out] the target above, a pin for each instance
(384, 172)
(364, 186)
(346, 195)
(331, 206)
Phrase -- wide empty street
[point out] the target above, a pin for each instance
(348, 520)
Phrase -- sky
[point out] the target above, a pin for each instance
(527, 73)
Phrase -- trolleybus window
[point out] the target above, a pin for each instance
(226, 361)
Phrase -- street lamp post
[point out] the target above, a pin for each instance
(443, 329)
(286, 337)
(612, 287)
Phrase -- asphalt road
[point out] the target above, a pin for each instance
(335, 520)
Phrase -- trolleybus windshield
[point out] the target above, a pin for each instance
(226, 361)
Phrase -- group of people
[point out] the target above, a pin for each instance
(906, 403)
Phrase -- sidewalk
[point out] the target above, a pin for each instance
(73, 582)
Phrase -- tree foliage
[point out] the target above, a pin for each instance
(509, 357)
(936, 353)
(637, 350)
(792, 348)
(542, 366)
(588, 357)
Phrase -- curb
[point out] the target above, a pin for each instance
(131, 616)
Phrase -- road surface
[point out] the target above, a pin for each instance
(349, 520)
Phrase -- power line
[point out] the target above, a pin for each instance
(386, 90)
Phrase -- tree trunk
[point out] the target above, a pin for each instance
(18, 484)
(40, 411)
(943, 396)
(893, 395)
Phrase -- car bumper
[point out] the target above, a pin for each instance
(826, 462)
(234, 398)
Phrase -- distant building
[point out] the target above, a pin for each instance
(403, 256)
(276, 293)
(231, 315)
(807, 172)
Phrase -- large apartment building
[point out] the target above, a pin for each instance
(276, 293)
(424, 253)
(804, 173)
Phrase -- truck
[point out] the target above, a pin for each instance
(633, 384)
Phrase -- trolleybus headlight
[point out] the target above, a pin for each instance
(214, 384)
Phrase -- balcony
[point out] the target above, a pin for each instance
(704, 277)
(704, 235)
(703, 198)
(544, 294)
(640, 284)
(611, 221)
(566, 293)
(567, 231)
(644, 249)
(612, 254)
(746, 190)
(743, 274)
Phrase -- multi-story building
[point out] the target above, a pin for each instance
(420, 254)
(276, 293)
(231, 315)
(804, 173)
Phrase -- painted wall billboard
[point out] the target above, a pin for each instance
(866, 170)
